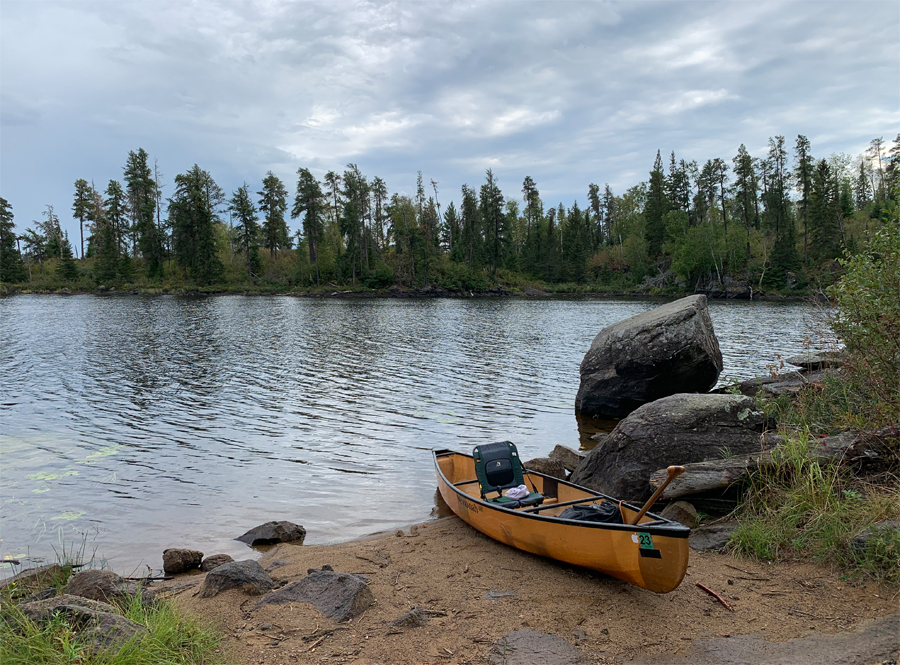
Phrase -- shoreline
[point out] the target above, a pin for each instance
(448, 569)
(427, 293)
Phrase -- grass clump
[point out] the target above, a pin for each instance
(805, 507)
(171, 637)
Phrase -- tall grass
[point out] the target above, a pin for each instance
(805, 507)
(171, 637)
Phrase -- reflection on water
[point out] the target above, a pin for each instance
(146, 423)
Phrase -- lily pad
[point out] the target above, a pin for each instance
(68, 515)
(49, 475)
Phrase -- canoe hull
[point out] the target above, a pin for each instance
(652, 557)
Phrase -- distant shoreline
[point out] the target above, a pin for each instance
(414, 293)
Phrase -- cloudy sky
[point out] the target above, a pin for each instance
(569, 93)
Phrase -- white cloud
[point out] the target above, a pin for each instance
(569, 93)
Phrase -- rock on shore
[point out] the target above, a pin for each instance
(667, 350)
(674, 430)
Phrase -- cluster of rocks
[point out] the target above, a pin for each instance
(92, 602)
(655, 372)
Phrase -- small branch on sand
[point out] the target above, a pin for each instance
(716, 596)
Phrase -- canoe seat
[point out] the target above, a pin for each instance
(498, 467)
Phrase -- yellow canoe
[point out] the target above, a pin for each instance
(653, 554)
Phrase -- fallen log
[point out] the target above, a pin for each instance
(850, 446)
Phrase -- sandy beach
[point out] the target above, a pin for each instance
(475, 590)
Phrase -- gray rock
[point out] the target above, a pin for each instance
(530, 647)
(711, 537)
(534, 293)
(547, 466)
(106, 586)
(35, 579)
(41, 610)
(177, 561)
(415, 618)
(569, 458)
(682, 512)
(274, 532)
(97, 622)
(338, 596)
(674, 430)
(214, 561)
(667, 350)
(817, 359)
(247, 575)
(885, 527)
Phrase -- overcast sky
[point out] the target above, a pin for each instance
(569, 93)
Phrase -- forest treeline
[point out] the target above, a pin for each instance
(775, 221)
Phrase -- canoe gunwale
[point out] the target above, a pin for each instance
(659, 526)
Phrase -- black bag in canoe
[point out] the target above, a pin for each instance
(605, 512)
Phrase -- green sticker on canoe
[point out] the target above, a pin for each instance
(646, 541)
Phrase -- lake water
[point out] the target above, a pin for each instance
(130, 424)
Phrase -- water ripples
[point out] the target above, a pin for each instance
(147, 423)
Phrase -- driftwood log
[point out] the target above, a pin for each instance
(880, 445)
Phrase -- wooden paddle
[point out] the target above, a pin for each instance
(673, 472)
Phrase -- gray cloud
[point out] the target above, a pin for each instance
(567, 92)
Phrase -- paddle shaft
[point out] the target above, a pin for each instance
(673, 472)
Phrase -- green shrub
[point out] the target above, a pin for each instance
(868, 322)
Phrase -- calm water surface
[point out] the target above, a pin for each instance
(139, 423)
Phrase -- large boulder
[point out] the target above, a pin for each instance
(338, 596)
(667, 350)
(679, 429)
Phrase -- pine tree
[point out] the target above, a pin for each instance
(66, 269)
(823, 214)
(310, 202)
(247, 228)
(193, 215)
(656, 208)
(745, 190)
(81, 207)
(491, 206)
(273, 205)
(12, 270)
(117, 214)
(803, 172)
(141, 188)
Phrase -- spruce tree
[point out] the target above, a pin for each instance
(803, 173)
(193, 215)
(310, 202)
(66, 268)
(81, 207)
(824, 209)
(273, 205)
(656, 208)
(247, 228)
(141, 188)
(12, 270)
